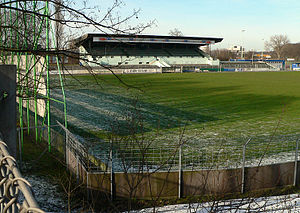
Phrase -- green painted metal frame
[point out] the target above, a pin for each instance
(31, 60)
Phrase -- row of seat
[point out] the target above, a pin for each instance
(102, 51)
(245, 65)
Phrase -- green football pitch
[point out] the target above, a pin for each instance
(228, 104)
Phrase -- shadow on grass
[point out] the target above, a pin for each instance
(94, 109)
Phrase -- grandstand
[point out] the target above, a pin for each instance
(252, 65)
(164, 52)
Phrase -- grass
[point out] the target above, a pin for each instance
(220, 102)
(39, 161)
(213, 107)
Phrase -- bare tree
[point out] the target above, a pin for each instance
(292, 51)
(59, 27)
(67, 16)
(23, 28)
(223, 54)
(175, 32)
(17, 28)
(276, 44)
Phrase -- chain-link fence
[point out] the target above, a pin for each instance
(215, 154)
(15, 192)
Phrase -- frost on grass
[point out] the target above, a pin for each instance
(213, 138)
(47, 194)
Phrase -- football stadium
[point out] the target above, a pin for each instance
(105, 53)
(181, 121)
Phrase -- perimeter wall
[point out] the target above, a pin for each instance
(172, 184)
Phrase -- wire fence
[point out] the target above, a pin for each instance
(215, 154)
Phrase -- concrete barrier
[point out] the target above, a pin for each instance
(145, 185)
(270, 176)
(211, 182)
(8, 107)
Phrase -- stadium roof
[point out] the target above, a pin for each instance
(146, 39)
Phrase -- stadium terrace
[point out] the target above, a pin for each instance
(165, 52)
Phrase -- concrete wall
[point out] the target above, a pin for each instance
(106, 71)
(203, 182)
(8, 122)
(211, 182)
(275, 175)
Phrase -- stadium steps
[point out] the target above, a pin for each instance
(169, 53)
(184, 52)
(200, 52)
(248, 65)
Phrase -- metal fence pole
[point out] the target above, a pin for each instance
(20, 146)
(77, 169)
(296, 163)
(67, 150)
(180, 172)
(243, 166)
(112, 187)
(87, 185)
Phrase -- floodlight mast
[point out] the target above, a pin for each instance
(262, 52)
(242, 46)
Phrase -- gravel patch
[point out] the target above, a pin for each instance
(47, 194)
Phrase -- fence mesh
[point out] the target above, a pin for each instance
(215, 154)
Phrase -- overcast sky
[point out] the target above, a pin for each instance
(246, 22)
